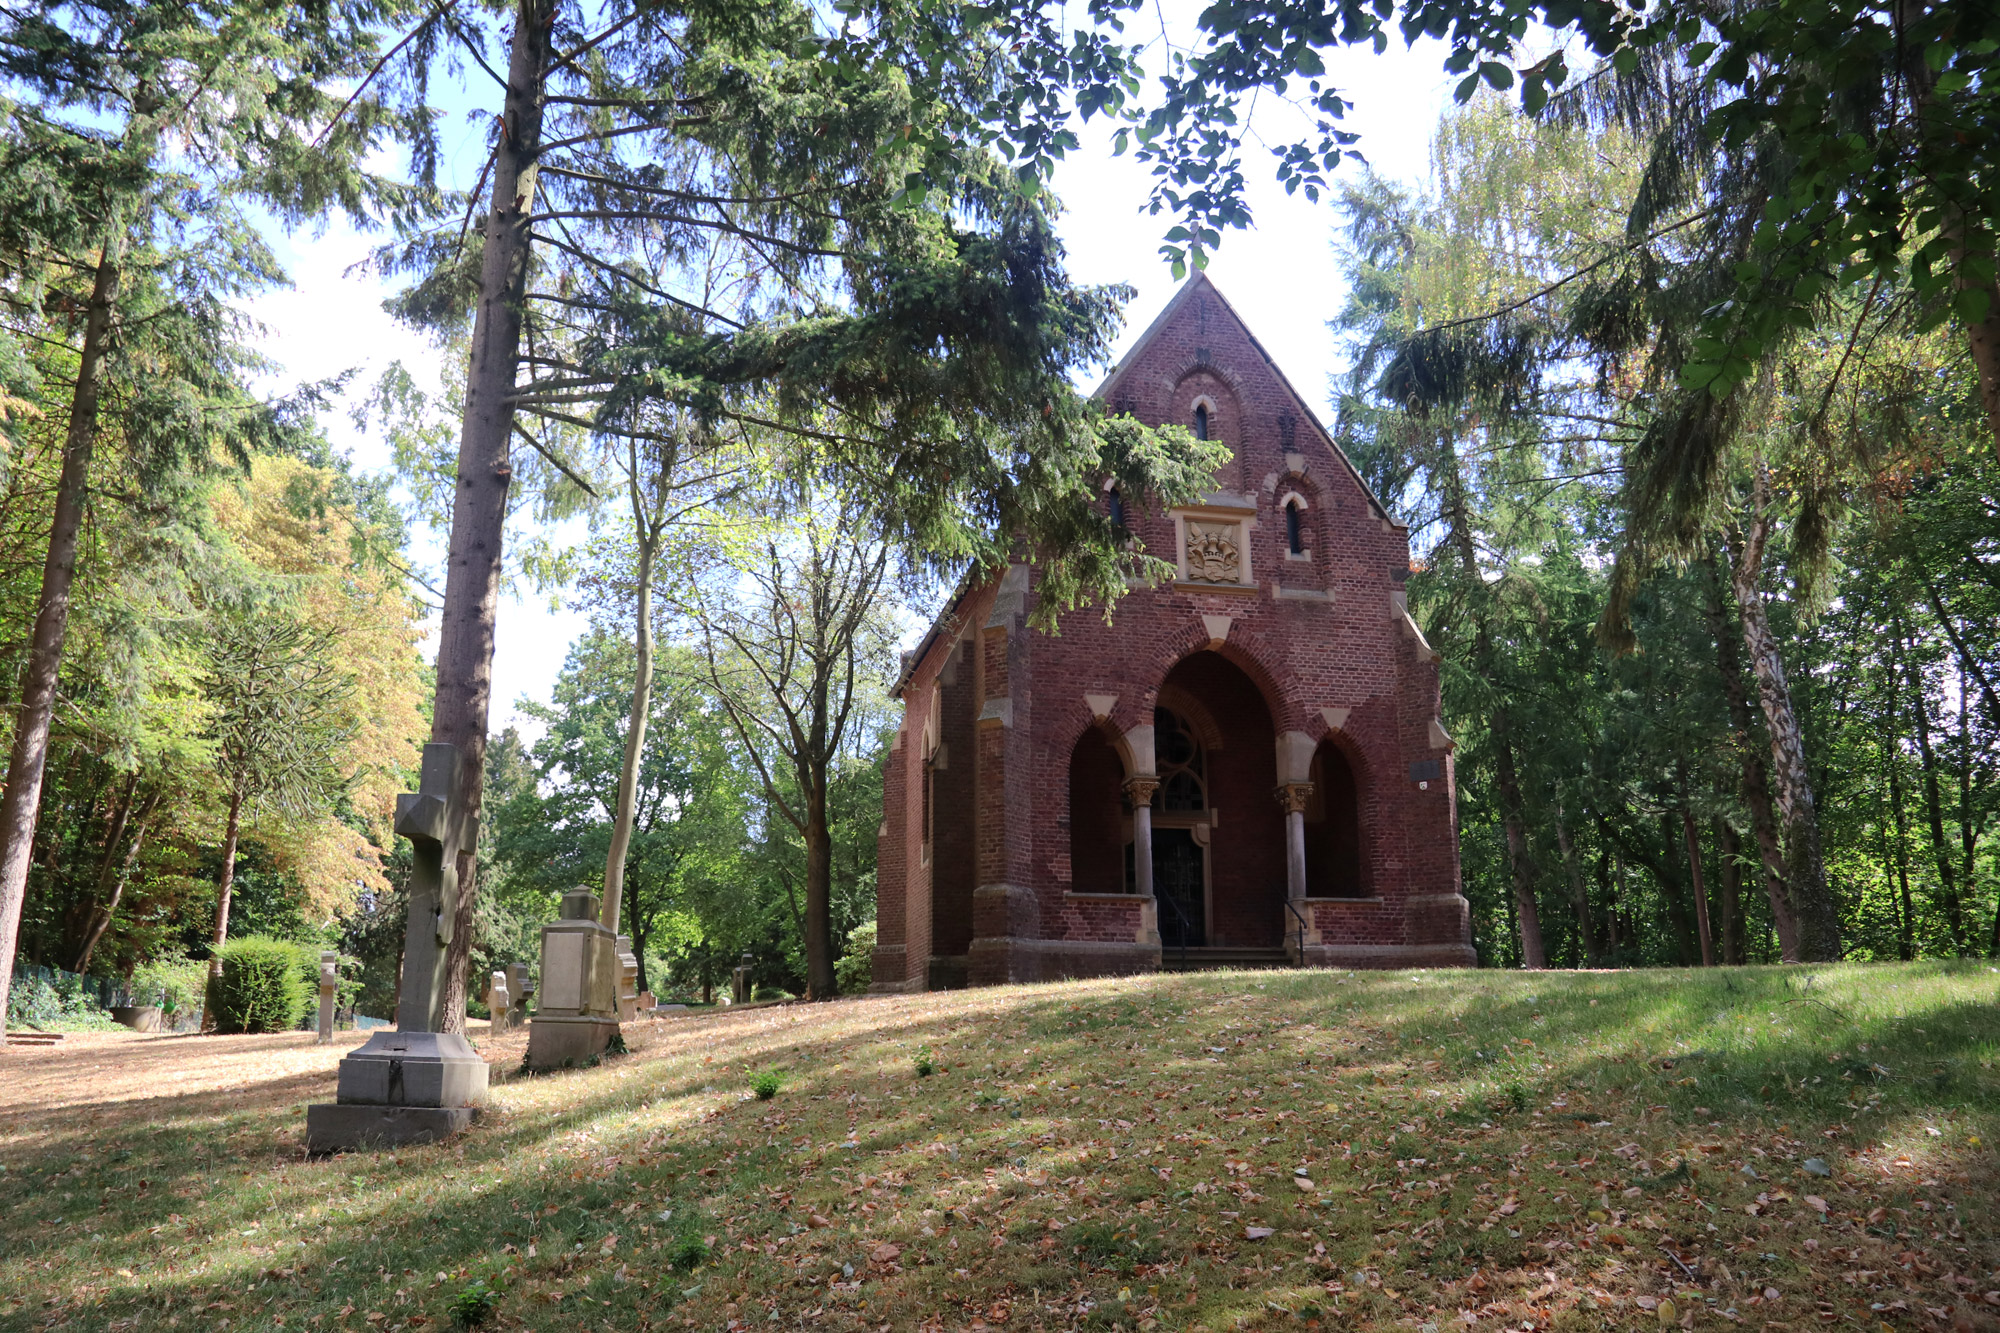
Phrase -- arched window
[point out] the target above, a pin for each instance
(1201, 421)
(1294, 537)
(1117, 507)
(1183, 779)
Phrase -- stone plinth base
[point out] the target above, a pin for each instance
(413, 1069)
(556, 1042)
(1378, 956)
(342, 1128)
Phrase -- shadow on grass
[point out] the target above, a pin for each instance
(569, 1161)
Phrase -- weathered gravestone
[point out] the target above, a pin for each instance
(329, 989)
(519, 988)
(417, 1083)
(497, 1000)
(576, 1010)
(742, 988)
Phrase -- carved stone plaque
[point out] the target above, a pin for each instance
(1212, 553)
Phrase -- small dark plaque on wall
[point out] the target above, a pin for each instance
(1427, 770)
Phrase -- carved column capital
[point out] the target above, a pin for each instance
(1294, 796)
(1140, 787)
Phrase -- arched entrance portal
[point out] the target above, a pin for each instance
(1333, 828)
(1218, 836)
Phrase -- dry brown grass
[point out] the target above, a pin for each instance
(1483, 1152)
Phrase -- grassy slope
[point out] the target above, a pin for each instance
(1093, 1154)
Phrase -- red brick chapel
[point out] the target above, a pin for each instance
(1246, 766)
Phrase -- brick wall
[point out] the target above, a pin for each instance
(1336, 661)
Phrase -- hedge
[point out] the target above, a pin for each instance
(266, 985)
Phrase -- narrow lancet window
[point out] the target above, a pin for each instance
(1117, 508)
(1201, 421)
(1294, 538)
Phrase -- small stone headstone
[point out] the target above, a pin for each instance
(329, 988)
(519, 988)
(497, 1001)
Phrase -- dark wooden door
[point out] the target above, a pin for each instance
(1177, 884)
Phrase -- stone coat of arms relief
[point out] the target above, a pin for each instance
(1212, 555)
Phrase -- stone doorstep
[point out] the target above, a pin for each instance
(332, 1128)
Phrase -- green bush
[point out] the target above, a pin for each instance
(766, 1085)
(176, 979)
(855, 969)
(59, 1006)
(266, 985)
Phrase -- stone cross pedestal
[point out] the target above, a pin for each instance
(741, 986)
(497, 1000)
(576, 1014)
(519, 988)
(329, 988)
(418, 1083)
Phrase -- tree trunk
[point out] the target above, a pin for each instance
(1528, 918)
(485, 467)
(1675, 892)
(820, 984)
(1731, 844)
(121, 814)
(1756, 784)
(21, 803)
(1968, 827)
(635, 725)
(1907, 941)
(1700, 889)
(1933, 803)
(1593, 954)
(1810, 897)
(228, 883)
(109, 906)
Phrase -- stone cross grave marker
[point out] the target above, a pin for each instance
(419, 1083)
(433, 818)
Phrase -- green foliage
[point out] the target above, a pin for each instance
(178, 980)
(59, 1005)
(267, 985)
(472, 1305)
(925, 1062)
(766, 1085)
(687, 1252)
(856, 968)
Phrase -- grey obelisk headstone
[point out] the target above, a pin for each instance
(418, 1083)
(496, 1001)
(329, 987)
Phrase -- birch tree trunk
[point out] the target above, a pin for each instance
(485, 466)
(20, 805)
(1805, 880)
(1528, 917)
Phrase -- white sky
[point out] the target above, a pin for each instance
(1280, 276)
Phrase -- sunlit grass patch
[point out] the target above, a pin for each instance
(1208, 1151)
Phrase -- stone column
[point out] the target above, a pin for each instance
(329, 987)
(1294, 796)
(498, 1001)
(1139, 790)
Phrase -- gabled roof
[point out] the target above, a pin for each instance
(1201, 282)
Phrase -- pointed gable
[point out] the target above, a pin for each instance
(1199, 353)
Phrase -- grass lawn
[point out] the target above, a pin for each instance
(1441, 1151)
